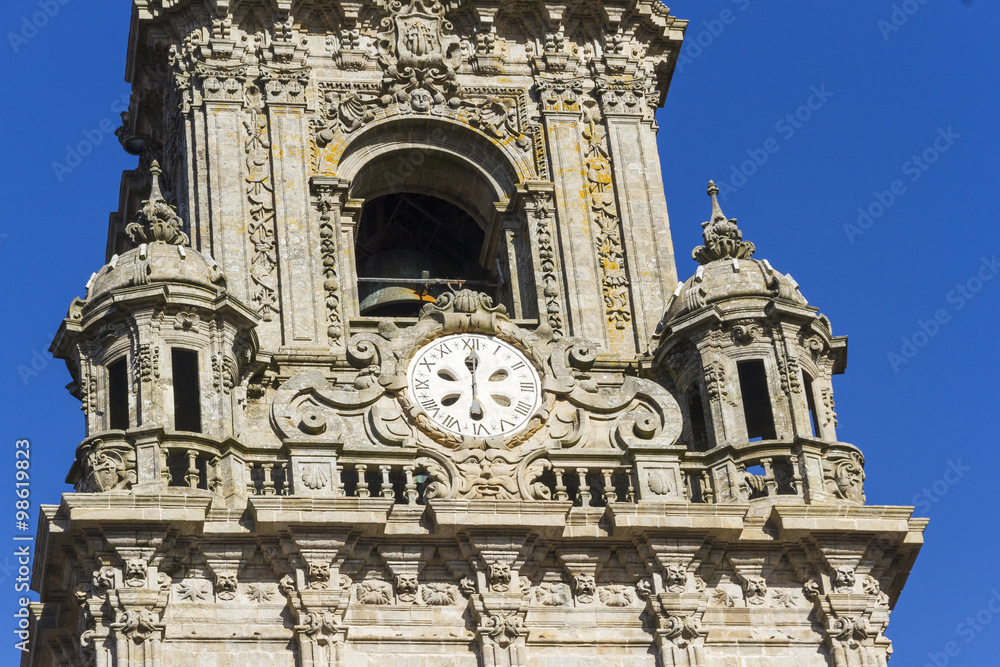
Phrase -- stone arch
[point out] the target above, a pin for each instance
(434, 156)
(448, 160)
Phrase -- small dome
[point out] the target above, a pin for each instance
(727, 270)
(156, 263)
(729, 279)
(161, 255)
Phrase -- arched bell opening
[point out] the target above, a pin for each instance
(411, 247)
(436, 212)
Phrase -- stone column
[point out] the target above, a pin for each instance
(298, 242)
(562, 112)
(224, 142)
(329, 196)
(635, 168)
(538, 201)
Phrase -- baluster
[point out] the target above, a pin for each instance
(584, 491)
(386, 490)
(631, 485)
(251, 486)
(411, 486)
(165, 467)
(268, 486)
(610, 495)
(362, 491)
(192, 476)
(707, 495)
(560, 486)
(214, 477)
(285, 486)
(797, 485)
(770, 484)
(688, 491)
(338, 478)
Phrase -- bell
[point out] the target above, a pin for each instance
(392, 299)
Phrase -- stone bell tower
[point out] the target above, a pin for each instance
(388, 361)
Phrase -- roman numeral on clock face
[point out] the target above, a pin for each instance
(527, 386)
(522, 408)
(479, 429)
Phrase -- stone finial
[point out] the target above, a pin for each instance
(723, 239)
(157, 221)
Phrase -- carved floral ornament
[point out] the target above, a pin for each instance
(465, 467)
(157, 221)
(723, 239)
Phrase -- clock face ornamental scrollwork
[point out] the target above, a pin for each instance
(475, 385)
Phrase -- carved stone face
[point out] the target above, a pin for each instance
(500, 576)
(225, 585)
(843, 579)
(319, 575)
(421, 100)
(406, 587)
(585, 587)
(135, 572)
(755, 589)
(675, 578)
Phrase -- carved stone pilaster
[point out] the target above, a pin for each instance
(559, 94)
(405, 563)
(329, 195)
(285, 86)
(500, 630)
(136, 623)
(622, 96)
(221, 83)
(540, 209)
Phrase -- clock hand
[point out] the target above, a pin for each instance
(472, 363)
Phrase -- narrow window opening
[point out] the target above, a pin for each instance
(187, 399)
(118, 395)
(756, 400)
(811, 402)
(699, 429)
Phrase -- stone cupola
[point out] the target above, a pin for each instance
(752, 362)
(157, 350)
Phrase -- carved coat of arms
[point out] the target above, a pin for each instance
(419, 53)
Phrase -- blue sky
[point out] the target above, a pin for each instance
(856, 143)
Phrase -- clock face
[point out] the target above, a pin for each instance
(475, 385)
